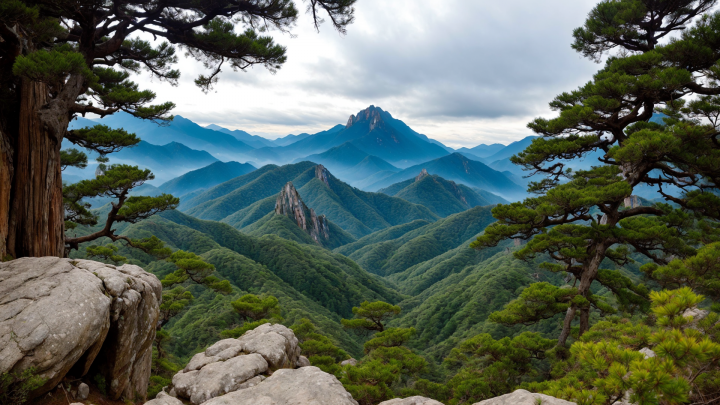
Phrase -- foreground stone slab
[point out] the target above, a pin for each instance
(523, 397)
(65, 316)
(417, 400)
(302, 386)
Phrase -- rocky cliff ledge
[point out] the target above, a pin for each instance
(291, 205)
(79, 317)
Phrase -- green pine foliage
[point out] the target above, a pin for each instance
(319, 349)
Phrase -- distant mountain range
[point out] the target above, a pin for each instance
(459, 169)
(373, 150)
(206, 177)
(443, 197)
(166, 161)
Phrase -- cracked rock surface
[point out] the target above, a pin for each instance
(65, 316)
(523, 397)
(261, 367)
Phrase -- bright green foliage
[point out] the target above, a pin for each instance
(370, 316)
(51, 66)
(191, 267)
(173, 302)
(538, 301)
(252, 307)
(370, 381)
(487, 367)
(15, 387)
(106, 252)
(606, 365)
(582, 218)
(391, 337)
(73, 157)
(318, 348)
(700, 272)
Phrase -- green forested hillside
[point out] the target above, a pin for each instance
(284, 227)
(470, 286)
(251, 214)
(234, 195)
(442, 196)
(359, 212)
(389, 256)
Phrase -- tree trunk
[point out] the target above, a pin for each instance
(6, 178)
(584, 320)
(567, 323)
(36, 216)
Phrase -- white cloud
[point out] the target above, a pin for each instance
(461, 71)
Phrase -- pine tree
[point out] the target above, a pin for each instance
(61, 59)
(584, 218)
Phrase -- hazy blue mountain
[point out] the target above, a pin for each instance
(460, 169)
(165, 161)
(294, 149)
(443, 197)
(375, 132)
(181, 130)
(482, 150)
(206, 177)
(289, 139)
(510, 150)
(255, 141)
(349, 163)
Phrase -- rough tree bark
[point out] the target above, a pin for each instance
(36, 216)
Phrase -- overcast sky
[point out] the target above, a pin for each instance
(463, 72)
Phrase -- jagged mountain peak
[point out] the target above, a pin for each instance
(372, 114)
(292, 206)
(323, 174)
(423, 173)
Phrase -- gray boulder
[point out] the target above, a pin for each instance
(237, 364)
(417, 400)
(523, 397)
(58, 315)
(164, 399)
(218, 378)
(306, 385)
(303, 362)
(350, 361)
(647, 352)
(83, 391)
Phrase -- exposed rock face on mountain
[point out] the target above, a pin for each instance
(322, 174)
(237, 371)
(291, 205)
(64, 316)
(423, 173)
(523, 397)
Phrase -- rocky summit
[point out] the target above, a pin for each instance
(290, 204)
